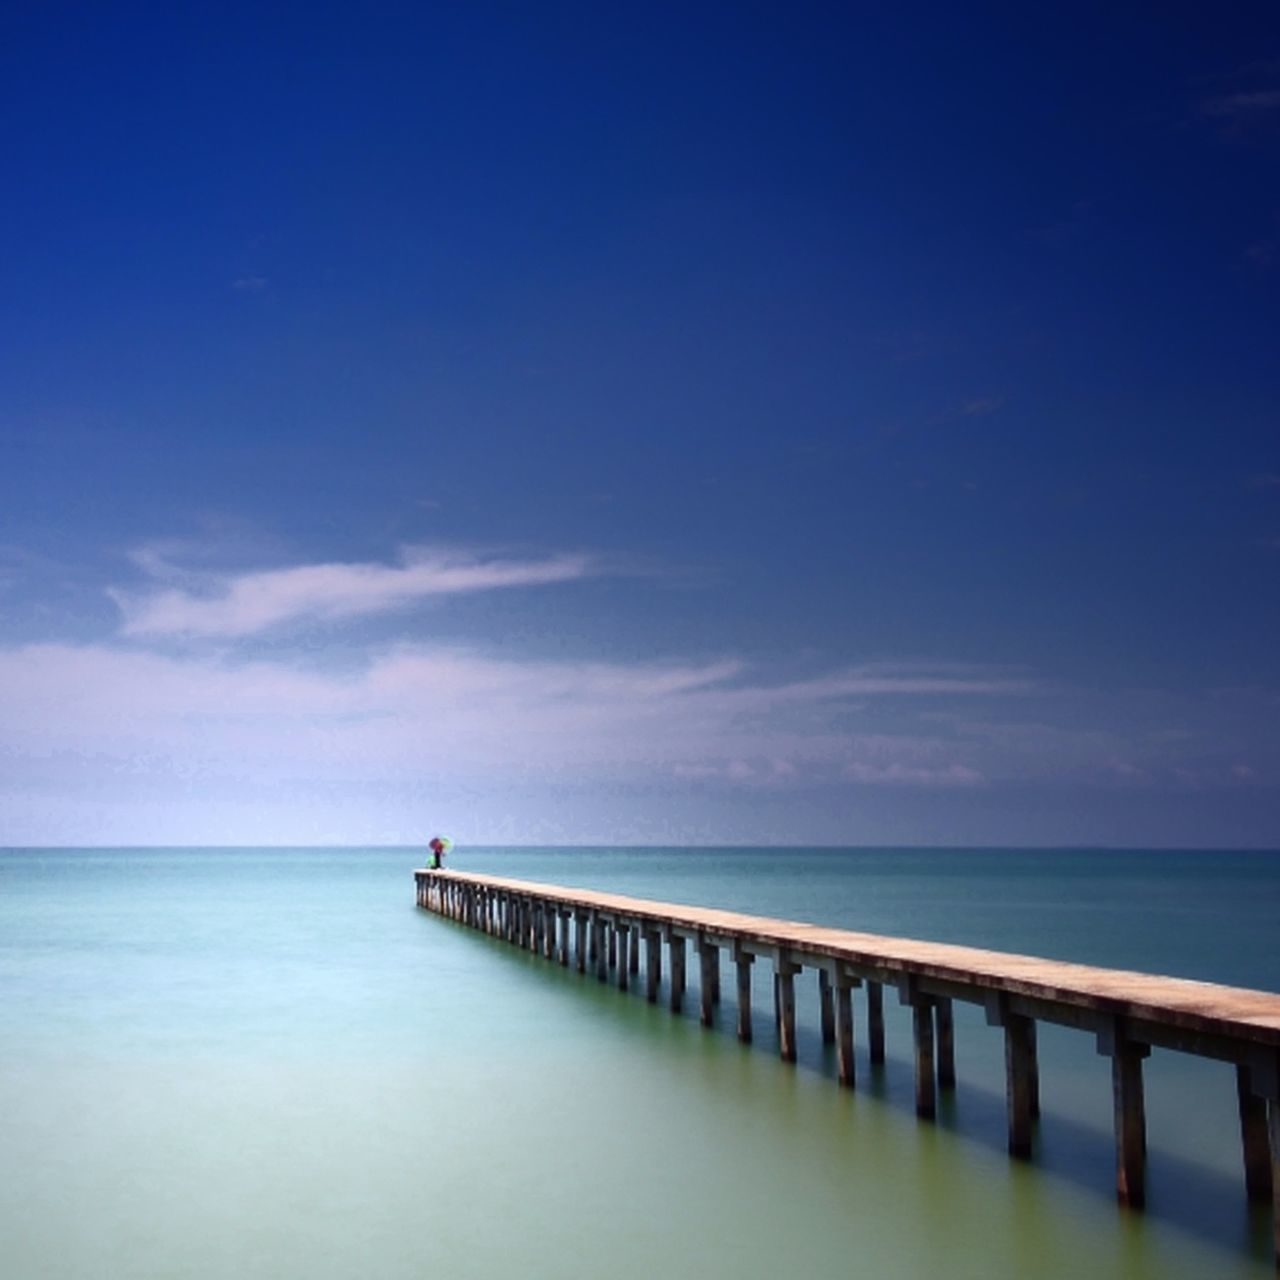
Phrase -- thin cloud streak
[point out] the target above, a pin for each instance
(231, 607)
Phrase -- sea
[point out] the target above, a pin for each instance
(266, 1062)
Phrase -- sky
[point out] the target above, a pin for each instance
(699, 423)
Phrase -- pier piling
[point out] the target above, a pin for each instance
(826, 1010)
(677, 951)
(1254, 1139)
(743, 960)
(845, 1068)
(875, 1022)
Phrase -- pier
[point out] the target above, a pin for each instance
(629, 940)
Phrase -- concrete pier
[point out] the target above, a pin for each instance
(1129, 1013)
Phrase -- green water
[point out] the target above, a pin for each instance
(269, 1064)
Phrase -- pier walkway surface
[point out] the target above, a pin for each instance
(1129, 1013)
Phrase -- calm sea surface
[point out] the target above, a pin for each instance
(267, 1063)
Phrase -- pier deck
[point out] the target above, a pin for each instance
(1128, 1012)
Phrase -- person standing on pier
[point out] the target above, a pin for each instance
(439, 846)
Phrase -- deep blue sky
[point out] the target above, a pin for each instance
(898, 390)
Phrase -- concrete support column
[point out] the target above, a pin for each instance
(1253, 1138)
(826, 1007)
(922, 1028)
(677, 972)
(613, 944)
(633, 954)
(600, 947)
(844, 1031)
(1020, 1082)
(580, 918)
(624, 969)
(652, 964)
(875, 1021)
(743, 960)
(1129, 1110)
(708, 979)
(946, 1039)
(1273, 1123)
(784, 984)
(565, 918)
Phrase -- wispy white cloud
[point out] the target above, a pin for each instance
(230, 606)
(415, 712)
(277, 740)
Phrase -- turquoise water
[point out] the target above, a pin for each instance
(267, 1063)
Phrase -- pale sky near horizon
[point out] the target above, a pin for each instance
(700, 423)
